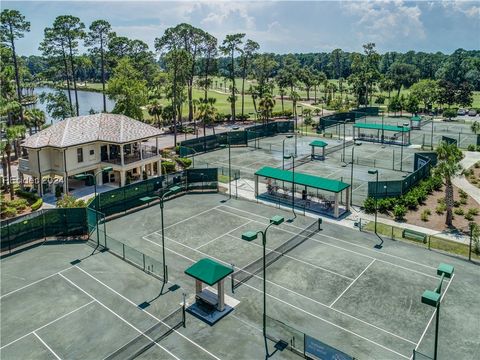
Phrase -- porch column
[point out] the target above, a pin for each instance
(122, 157)
(198, 286)
(122, 177)
(108, 151)
(159, 167)
(20, 179)
(141, 150)
(221, 295)
(40, 187)
(65, 183)
(256, 185)
(335, 213)
(349, 193)
(156, 145)
(142, 169)
(99, 178)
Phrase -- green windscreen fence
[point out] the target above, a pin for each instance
(369, 110)
(392, 188)
(336, 119)
(234, 138)
(41, 225)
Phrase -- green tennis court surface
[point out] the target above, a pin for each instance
(334, 286)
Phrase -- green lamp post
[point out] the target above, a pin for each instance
(147, 199)
(375, 172)
(250, 236)
(292, 156)
(434, 298)
(283, 150)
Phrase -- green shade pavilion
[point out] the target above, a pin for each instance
(318, 144)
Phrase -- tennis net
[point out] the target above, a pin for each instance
(242, 275)
(149, 338)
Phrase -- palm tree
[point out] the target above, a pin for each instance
(155, 109)
(294, 97)
(266, 105)
(282, 93)
(448, 167)
(475, 127)
(206, 112)
(34, 118)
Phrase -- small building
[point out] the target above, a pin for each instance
(86, 144)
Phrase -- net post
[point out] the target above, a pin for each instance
(165, 273)
(429, 239)
(232, 282)
(183, 310)
(123, 251)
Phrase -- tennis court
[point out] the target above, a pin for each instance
(392, 162)
(334, 285)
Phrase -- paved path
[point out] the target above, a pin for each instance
(471, 157)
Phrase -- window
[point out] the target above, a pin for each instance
(92, 152)
(80, 155)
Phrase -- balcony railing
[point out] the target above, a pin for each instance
(130, 158)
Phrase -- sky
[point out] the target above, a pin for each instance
(278, 26)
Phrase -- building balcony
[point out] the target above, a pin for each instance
(131, 158)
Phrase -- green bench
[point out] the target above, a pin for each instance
(414, 235)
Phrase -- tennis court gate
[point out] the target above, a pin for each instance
(301, 344)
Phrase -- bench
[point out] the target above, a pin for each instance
(414, 235)
(207, 301)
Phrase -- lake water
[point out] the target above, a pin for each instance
(86, 100)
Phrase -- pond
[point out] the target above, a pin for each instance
(86, 100)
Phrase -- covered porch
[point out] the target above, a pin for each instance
(385, 134)
(308, 192)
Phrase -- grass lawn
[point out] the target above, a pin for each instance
(433, 242)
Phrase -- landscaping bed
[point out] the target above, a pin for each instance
(473, 175)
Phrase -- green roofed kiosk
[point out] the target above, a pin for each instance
(209, 272)
(416, 122)
(314, 203)
(320, 144)
(376, 133)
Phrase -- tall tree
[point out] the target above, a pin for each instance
(192, 40)
(247, 53)
(54, 46)
(57, 105)
(230, 45)
(71, 29)
(13, 26)
(97, 38)
(448, 167)
(128, 89)
(403, 75)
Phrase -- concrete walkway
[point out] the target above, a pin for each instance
(471, 157)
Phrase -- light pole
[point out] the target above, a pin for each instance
(401, 149)
(283, 150)
(146, 199)
(375, 172)
(230, 162)
(431, 137)
(434, 298)
(344, 122)
(301, 107)
(250, 236)
(293, 182)
(351, 176)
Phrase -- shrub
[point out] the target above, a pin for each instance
(37, 204)
(369, 205)
(19, 204)
(437, 182)
(477, 165)
(385, 205)
(399, 211)
(420, 193)
(456, 203)
(471, 147)
(424, 215)
(441, 200)
(473, 211)
(168, 167)
(184, 162)
(30, 196)
(440, 209)
(458, 211)
(69, 201)
(462, 193)
(478, 147)
(468, 217)
(58, 191)
(410, 200)
(9, 212)
(463, 201)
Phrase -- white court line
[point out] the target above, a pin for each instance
(338, 239)
(118, 316)
(299, 260)
(47, 324)
(45, 344)
(335, 246)
(35, 282)
(183, 220)
(433, 315)
(311, 314)
(349, 286)
(227, 233)
(146, 312)
(247, 323)
(286, 289)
